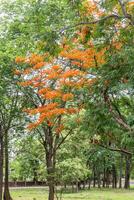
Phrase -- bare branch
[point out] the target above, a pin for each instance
(42, 141)
(63, 139)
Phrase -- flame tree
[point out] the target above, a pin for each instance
(54, 91)
(48, 89)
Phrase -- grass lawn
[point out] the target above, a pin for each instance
(93, 194)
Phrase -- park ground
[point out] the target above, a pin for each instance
(93, 194)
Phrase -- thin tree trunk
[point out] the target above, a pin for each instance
(50, 162)
(65, 186)
(7, 195)
(51, 190)
(94, 176)
(104, 174)
(98, 180)
(121, 164)
(107, 178)
(84, 185)
(50, 177)
(89, 183)
(1, 163)
(114, 177)
(127, 171)
(77, 186)
(35, 178)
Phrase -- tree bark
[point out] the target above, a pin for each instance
(94, 176)
(51, 190)
(50, 177)
(107, 178)
(89, 183)
(1, 163)
(121, 164)
(99, 180)
(127, 171)
(77, 186)
(114, 178)
(7, 195)
(104, 174)
(50, 162)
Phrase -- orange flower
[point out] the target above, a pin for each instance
(34, 59)
(43, 90)
(71, 110)
(37, 85)
(19, 59)
(68, 96)
(17, 72)
(70, 73)
(27, 71)
(77, 63)
(48, 107)
(52, 94)
(25, 83)
(56, 67)
(33, 125)
(53, 75)
(39, 65)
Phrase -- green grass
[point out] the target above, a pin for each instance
(93, 194)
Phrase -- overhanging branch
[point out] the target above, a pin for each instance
(92, 22)
(115, 149)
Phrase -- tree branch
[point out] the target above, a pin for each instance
(92, 22)
(115, 149)
(63, 139)
(117, 116)
(126, 15)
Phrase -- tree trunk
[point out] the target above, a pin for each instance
(89, 183)
(77, 186)
(104, 174)
(7, 195)
(51, 175)
(84, 185)
(107, 178)
(35, 178)
(121, 164)
(94, 176)
(127, 171)
(1, 163)
(50, 162)
(51, 191)
(114, 177)
(65, 186)
(99, 180)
